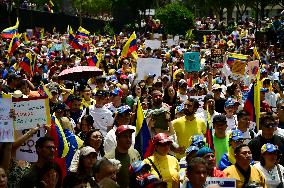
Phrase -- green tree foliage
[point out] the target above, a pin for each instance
(93, 7)
(176, 18)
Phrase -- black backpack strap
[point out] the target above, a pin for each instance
(251, 133)
(87, 111)
(155, 168)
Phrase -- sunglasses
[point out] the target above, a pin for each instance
(239, 141)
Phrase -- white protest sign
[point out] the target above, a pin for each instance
(170, 42)
(153, 44)
(27, 151)
(148, 65)
(30, 112)
(157, 36)
(6, 123)
(200, 101)
(222, 182)
(253, 67)
(176, 39)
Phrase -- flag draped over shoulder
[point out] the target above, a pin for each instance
(11, 31)
(14, 44)
(252, 103)
(143, 136)
(130, 47)
(66, 143)
(73, 41)
(82, 33)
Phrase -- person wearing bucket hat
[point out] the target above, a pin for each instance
(124, 153)
(268, 165)
(159, 160)
(122, 117)
(235, 138)
(82, 165)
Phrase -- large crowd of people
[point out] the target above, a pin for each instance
(189, 142)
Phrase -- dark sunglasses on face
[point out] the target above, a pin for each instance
(164, 144)
(270, 125)
(239, 141)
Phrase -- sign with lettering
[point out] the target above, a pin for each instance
(222, 182)
(6, 122)
(192, 62)
(27, 151)
(30, 112)
(239, 67)
(253, 67)
(216, 52)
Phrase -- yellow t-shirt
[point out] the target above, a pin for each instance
(168, 168)
(256, 176)
(185, 129)
(85, 104)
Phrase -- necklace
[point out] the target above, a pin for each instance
(271, 174)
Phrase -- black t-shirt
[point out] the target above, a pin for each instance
(219, 105)
(256, 144)
(31, 178)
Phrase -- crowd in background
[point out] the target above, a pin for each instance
(102, 111)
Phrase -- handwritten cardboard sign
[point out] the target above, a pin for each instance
(192, 62)
(6, 122)
(239, 67)
(27, 150)
(216, 52)
(30, 112)
(148, 65)
(253, 67)
(222, 182)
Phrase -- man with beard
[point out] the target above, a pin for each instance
(187, 126)
(158, 117)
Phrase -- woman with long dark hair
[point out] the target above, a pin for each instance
(86, 125)
(170, 97)
(95, 139)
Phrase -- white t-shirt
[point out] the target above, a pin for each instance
(272, 179)
(232, 123)
(203, 115)
(102, 118)
(183, 98)
(110, 140)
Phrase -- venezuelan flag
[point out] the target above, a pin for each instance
(130, 47)
(73, 42)
(92, 61)
(14, 44)
(44, 91)
(9, 32)
(82, 33)
(236, 57)
(25, 64)
(252, 103)
(143, 136)
(60, 141)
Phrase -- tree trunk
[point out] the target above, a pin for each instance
(262, 6)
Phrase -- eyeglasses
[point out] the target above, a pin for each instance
(239, 141)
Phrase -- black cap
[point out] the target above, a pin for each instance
(219, 118)
(207, 97)
(101, 93)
